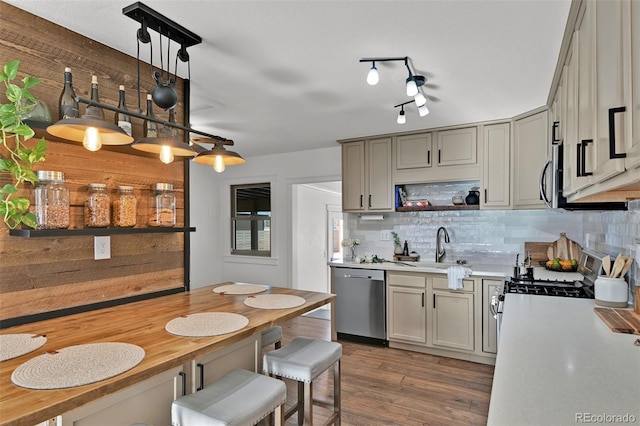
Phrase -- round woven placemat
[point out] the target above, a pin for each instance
(206, 324)
(77, 365)
(240, 288)
(274, 301)
(14, 345)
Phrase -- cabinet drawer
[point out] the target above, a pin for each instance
(443, 284)
(407, 280)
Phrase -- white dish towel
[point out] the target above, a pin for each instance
(456, 274)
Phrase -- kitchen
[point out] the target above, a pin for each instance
(475, 235)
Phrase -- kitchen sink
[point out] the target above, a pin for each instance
(439, 265)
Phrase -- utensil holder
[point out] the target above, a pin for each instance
(611, 292)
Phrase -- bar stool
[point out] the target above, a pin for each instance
(239, 398)
(303, 360)
(272, 336)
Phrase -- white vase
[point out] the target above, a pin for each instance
(354, 252)
(397, 249)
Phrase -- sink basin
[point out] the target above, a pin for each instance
(434, 265)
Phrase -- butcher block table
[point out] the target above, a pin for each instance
(141, 323)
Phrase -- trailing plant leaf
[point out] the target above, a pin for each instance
(17, 159)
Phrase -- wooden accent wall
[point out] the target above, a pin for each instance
(41, 275)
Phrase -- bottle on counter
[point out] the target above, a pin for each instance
(97, 207)
(68, 106)
(405, 250)
(51, 200)
(150, 128)
(162, 205)
(123, 120)
(124, 208)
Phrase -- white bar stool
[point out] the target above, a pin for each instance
(239, 398)
(303, 360)
(272, 336)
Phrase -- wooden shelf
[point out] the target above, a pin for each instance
(33, 233)
(436, 208)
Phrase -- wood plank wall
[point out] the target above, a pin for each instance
(40, 275)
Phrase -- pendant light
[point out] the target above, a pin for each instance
(166, 145)
(419, 99)
(91, 129)
(218, 157)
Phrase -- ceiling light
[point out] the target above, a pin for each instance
(91, 129)
(412, 83)
(372, 77)
(423, 110)
(401, 117)
(217, 157)
(166, 145)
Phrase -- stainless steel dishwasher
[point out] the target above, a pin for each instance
(360, 305)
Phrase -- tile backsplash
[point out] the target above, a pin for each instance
(495, 237)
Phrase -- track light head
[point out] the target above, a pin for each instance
(372, 77)
(423, 110)
(419, 99)
(402, 118)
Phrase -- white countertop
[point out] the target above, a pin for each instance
(485, 270)
(557, 361)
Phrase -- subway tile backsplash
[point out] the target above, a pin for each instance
(495, 237)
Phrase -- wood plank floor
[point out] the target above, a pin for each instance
(384, 386)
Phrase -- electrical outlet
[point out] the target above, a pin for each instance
(101, 247)
(385, 235)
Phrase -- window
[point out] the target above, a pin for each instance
(251, 219)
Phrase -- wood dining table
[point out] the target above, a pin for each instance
(140, 323)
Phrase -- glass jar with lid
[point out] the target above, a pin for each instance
(162, 205)
(97, 207)
(51, 200)
(124, 208)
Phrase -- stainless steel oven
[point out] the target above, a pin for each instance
(550, 283)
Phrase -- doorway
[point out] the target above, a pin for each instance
(316, 233)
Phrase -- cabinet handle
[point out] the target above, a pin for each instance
(369, 200)
(428, 156)
(423, 300)
(183, 375)
(554, 132)
(579, 160)
(439, 156)
(361, 199)
(201, 368)
(434, 301)
(583, 147)
(485, 195)
(612, 133)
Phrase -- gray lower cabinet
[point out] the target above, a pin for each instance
(425, 315)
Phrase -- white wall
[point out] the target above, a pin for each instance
(210, 259)
(309, 239)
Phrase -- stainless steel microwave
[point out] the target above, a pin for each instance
(551, 186)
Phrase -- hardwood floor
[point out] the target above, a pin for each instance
(384, 386)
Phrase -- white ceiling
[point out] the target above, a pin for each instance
(281, 76)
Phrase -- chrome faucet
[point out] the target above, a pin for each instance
(440, 252)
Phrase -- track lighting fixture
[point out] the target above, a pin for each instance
(422, 110)
(412, 84)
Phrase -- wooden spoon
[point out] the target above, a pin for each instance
(627, 265)
(606, 265)
(617, 267)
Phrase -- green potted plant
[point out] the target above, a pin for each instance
(16, 158)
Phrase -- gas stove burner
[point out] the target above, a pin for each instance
(550, 288)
